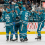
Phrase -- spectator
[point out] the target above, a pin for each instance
(15, 0)
(1, 8)
(38, 8)
(29, 2)
(2, 2)
(23, 1)
(27, 7)
(32, 2)
(33, 7)
(10, 1)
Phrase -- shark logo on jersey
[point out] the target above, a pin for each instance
(26, 16)
(7, 18)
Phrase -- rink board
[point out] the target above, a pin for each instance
(32, 27)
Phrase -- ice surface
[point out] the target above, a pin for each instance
(31, 40)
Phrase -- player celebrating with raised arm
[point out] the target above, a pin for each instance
(25, 18)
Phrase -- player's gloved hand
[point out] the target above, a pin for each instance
(17, 18)
(13, 23)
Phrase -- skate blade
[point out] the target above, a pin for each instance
(38, 39)
(24, 41)
(7, 41)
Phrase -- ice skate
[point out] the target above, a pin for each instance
(7, 38)
(26, 39)
(39, 37)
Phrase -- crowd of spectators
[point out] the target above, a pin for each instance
(29, 4)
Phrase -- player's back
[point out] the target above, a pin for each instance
(24, 15)
(8, 18)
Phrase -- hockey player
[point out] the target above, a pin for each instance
(32, 16)
(8, 8)
(13, 19)
(12, 6)
(17, 22)
(24, 17)
(20, 3)
(43, 10)
(16, 6)
(40, 24)
(6, 1)
(44, 14)
(9, 24)
(24, 5)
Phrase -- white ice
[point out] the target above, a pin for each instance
(31, 40)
